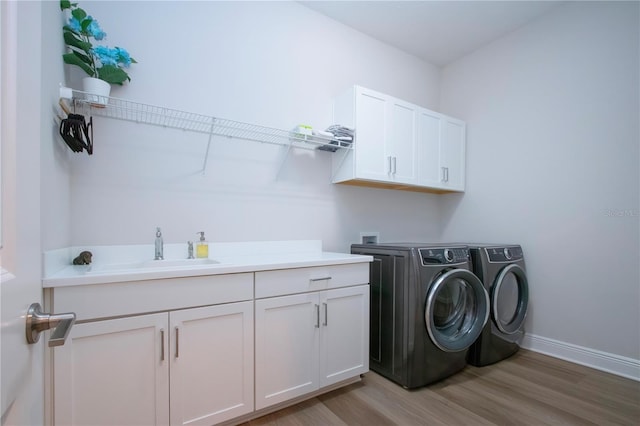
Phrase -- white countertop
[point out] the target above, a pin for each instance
(231, 257)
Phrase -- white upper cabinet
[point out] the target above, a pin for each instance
(386, 132)
(441, 151)
(398, 145)
(452, 153)
(402, 142)
(371, 111)
(429, 134)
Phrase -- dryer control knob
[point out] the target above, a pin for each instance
(448, 255)
(507, 253)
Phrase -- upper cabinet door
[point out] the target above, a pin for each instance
(452, 154)
(372, 121)
(429, 134)
(401, 141)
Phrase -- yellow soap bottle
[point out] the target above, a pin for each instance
(202, 247)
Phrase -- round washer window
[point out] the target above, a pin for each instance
(509, 299)
(457, 308)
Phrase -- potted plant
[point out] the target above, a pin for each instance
(103, 65)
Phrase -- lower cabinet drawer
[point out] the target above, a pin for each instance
(301, 280)
(100, 301)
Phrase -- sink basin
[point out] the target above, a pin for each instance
(155, 264)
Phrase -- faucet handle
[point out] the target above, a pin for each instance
(158, 232)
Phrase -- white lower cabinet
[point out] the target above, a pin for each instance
(211, 357)
(207, 349)
(310, 340)
(111, 373)
(192, 366)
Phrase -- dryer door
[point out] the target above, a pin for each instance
(510, 299)
(456, 310)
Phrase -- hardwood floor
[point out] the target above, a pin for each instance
(527, 389)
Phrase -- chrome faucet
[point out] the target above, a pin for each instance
(159, 245)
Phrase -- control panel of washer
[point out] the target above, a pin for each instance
(444, 255)
(504, 254)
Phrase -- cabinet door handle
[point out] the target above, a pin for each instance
(317, 315)
(326, 316)
(162, 344)
(394, 165)
(389, 169)
(177, 342)
(446, 172)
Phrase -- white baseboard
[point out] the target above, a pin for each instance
(611, 363)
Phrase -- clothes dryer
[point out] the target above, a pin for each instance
(501, 268)
(427, 308)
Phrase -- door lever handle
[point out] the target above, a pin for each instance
(37, 322)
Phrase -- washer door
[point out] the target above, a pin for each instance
(510, 299)
(457, 308)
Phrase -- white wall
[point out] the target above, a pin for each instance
(275, 64)
(54, 155)
(553, 164)
(552, 113)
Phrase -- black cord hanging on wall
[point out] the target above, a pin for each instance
(77, 133)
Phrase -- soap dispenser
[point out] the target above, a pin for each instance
(202, 247)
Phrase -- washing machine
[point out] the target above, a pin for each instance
(427, 308)
(502, 271)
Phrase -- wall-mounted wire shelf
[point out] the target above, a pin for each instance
(121, 109)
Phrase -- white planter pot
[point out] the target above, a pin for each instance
(97, 91)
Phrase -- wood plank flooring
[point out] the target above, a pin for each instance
(527, 389)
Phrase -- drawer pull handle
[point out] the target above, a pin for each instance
(319, 279)
(317, 315)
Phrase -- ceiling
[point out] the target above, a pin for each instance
(438, 32)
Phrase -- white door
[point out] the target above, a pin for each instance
(401, 141)
(287, 346)
(452, 153)
(211, 355)
(372, 120)
(113, 372)
(344, 336)
(429, 129)
(20, 277)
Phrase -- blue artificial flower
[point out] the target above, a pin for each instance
(94, 29)
(75, 24)
(105, 55)
(123, 56)
(78, 34)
